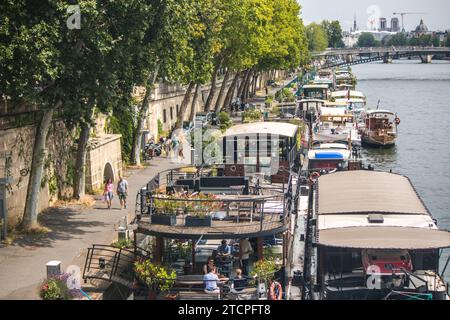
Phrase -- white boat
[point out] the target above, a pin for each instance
(336, 118)
(328, 155)
(379, 128)
(349, 96)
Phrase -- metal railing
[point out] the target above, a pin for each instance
(105, 262)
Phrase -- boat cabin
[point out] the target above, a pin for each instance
(316, 91)
(380, 120)
(269, 147)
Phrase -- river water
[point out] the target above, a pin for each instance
(420, 94)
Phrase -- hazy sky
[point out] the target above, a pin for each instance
(437, 15)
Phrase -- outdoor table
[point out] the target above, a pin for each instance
(194, 280)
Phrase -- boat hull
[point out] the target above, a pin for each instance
(378, 140)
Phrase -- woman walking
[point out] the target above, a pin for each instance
(108, 192)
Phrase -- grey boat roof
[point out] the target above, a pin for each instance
(365, 191)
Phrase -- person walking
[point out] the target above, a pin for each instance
(108, 192)
(122, 192)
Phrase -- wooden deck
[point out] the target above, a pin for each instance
(271, 224)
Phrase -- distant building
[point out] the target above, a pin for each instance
(421, 29)
(383, 24)
(395, 25)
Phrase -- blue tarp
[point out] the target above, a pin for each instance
(329, 155)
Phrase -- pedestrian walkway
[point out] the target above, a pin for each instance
(22, 264)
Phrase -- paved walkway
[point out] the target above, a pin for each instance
(22, 264)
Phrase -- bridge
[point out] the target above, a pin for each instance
(348, 57)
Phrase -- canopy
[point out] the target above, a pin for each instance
(385, 238)
(273, 128)
(364, 191)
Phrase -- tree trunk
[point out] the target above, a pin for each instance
(242, 84)
(247, 83)
(194, 101)
(213, 90)
(80, 162)
(218, 106)
(37, 168)
(230, 92)
(137, 136)
(183, 107)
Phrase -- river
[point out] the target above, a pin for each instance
(420, 94)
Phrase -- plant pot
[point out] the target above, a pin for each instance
(191, 221)
(164, 219)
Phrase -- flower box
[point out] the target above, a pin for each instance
(192, 221)
(164, 219)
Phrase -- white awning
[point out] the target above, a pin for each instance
(272, 128)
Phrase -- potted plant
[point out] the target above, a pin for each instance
(55, 288)
(165, 211)
(155, 277)
(199, 212)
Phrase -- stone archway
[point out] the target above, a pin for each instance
(108, 172)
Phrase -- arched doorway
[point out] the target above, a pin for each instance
(108, 172)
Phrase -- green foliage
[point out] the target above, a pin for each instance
(285, 95)
(366, 39)
(55, 288)
(317, 37)
(122, 122)
(225, 121)
(157, 277)
(398, 39)
(265, 270)
(333, 31)
(123, 244)
(160, 127)
(251, 116)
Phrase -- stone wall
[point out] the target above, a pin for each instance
(104, 155)
(20, 142)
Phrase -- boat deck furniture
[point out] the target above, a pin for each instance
(198, 295)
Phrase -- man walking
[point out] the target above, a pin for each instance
(122, 191)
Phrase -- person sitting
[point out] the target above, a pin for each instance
(239, 282)
(209, 265)
(224, 250)
(211, 279)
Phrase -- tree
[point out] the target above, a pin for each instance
(333, 30)
(38, 57)
(204, 43)
(447, 41)
(398, 39)
(366, 39)
(317, 37)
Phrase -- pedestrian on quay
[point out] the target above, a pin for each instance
(108, 193)
(122, 192)
(168, 147)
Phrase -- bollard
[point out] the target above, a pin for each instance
(53, 268)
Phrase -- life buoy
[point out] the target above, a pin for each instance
(275, 291)
(314, 176)
(397, 121)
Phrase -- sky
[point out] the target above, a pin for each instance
(435, 13)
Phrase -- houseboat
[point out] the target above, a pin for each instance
(344, 77)
(349, 96)
(198, 208)
(372, 237)
(336, 118)
(379, 128)
(326, 155)
(269, 147)
(315, 91)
